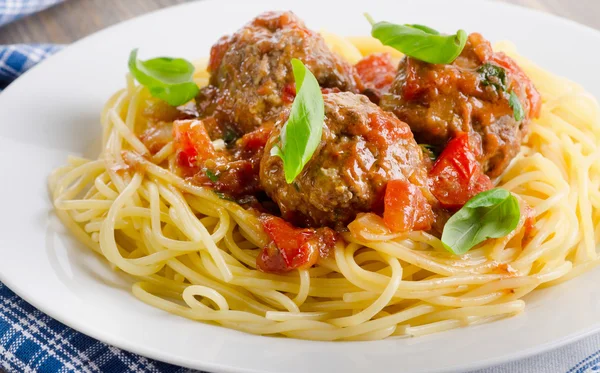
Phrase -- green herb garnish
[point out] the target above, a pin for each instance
(301, 134)
(230, 136)
(515, 104)
(490, 214)
(223, 196)
(424, 28)
(493, 75)
(212, 176)
(420, 42)
(430, 151)
(169, 79)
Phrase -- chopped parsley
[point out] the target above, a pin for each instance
(229, 137)
(430, 151)
(212, 176)
(493, 75)
(224, 196)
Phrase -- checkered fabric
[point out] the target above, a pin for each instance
(18, 58)
(31, 341)
(11, 10)
(15, 59)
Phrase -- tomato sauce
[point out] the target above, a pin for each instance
(293, 248)
(367, 164)
(377, 72)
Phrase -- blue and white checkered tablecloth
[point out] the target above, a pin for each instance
(31, 341)
(18, 58)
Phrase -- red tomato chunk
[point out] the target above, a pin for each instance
(377, 71)
(405, 208)
(456, 176)
(292, 248)
(192, 143)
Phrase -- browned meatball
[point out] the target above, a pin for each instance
(470, 95)
(362, 148)
(251, 76)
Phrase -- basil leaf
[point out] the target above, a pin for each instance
(490, 214)
(420, 42)
(515, 104)
(493, 75)
(428, 30)
(301, 134)
(169, 79)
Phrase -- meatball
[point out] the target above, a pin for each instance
(251, 78)
(471, 95)
(362, 148)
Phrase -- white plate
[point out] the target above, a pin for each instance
(53, 111)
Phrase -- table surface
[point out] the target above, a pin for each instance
(64, 23)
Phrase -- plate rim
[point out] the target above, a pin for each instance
(149, 352)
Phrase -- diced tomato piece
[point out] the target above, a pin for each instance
(456, 176)
(482, 183)
(405, 207)
(533, 96)
(291, 247)
(256, 140)
(271, 260)
(326, 238)
(238, 178)
(192, 143)
(377, 71)
(288, 93)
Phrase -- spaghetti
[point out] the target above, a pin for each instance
(194, 254)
